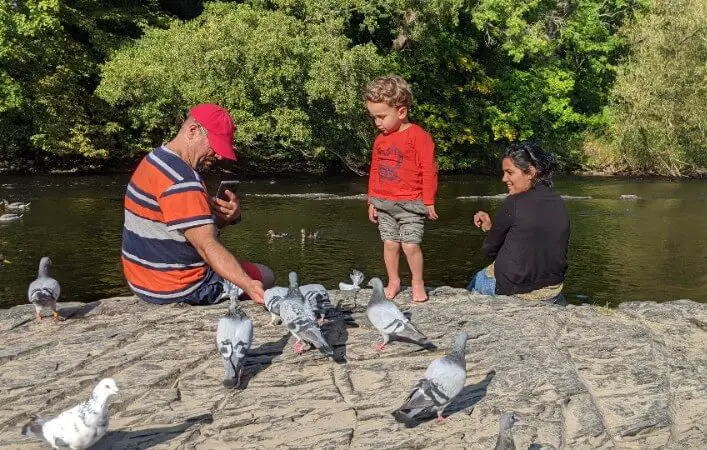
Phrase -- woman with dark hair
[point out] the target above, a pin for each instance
(529, 235)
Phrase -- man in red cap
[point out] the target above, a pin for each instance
(170, 250)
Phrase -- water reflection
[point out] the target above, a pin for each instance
(652, 248)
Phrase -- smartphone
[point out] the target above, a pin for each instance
(231, 185)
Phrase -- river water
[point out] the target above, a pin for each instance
(653, 247)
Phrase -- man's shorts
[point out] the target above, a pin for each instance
(401, 221)
(214, 288)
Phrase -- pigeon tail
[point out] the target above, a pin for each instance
(33, 429)
(407, 416)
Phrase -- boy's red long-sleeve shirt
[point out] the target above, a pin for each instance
(403, 166)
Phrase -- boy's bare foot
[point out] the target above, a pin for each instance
(392, 289)
(419, 295)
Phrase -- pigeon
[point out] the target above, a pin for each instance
(390, 322)
(443, 380)
(6, 218)
(234, 336)
(44, 292)
(16, 207)
(318, 298)
(505, 438)
(273, 235)
(273, 297)
(356, 279)
(79, 427)
(298, 317)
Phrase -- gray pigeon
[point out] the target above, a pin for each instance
(273, 297)
(298, 317)
(505, 438)
(444, 379)
(318, 298)
(79, 427)
(356, 278)
(390, 322)
(234, 336)
(44, 292)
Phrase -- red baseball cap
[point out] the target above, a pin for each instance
(219, 127)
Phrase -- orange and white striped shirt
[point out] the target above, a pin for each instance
(165, 197)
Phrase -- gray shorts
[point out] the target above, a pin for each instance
(402, 221)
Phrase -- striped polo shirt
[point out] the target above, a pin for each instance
(165, 196)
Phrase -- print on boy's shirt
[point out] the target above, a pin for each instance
(391, 159)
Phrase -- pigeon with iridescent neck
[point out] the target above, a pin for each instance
(390, 321)
(443, 380)
(505, 438)
(299, 318)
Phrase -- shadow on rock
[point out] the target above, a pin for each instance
(336, 333)
(148, 437)
(79, 312)
(261, 358)
(470, 395)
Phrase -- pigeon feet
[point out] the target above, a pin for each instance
(299, 347)
(57, 317)
(441, 420)
(379, 347)
(38, 316)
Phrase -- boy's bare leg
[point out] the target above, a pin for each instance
(391, 256)
(413, 252)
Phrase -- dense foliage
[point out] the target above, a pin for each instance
(111, 79)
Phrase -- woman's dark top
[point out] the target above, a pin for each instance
(528, 241)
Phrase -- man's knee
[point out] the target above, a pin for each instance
(267, 275)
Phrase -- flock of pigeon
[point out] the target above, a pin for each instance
(302, 310)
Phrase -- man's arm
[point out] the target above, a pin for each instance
(203, 238)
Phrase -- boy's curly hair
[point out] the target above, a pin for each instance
(391, 90)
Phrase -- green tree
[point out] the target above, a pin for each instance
(292, 86)
(50, 52)
(660, 107)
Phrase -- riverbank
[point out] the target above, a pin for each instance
(578, 377)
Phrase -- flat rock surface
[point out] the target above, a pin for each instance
(577, 377)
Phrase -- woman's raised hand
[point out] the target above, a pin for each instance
(482, 220)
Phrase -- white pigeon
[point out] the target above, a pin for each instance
(234, 336)
(7, 218)
(79, 427)
(505, 438)
(356, 279)
(390, 322)
(299, 319)
(44, 291)
(443, 380)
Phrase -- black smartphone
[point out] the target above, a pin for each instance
(231, 185)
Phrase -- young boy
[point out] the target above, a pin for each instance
(403, 181)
